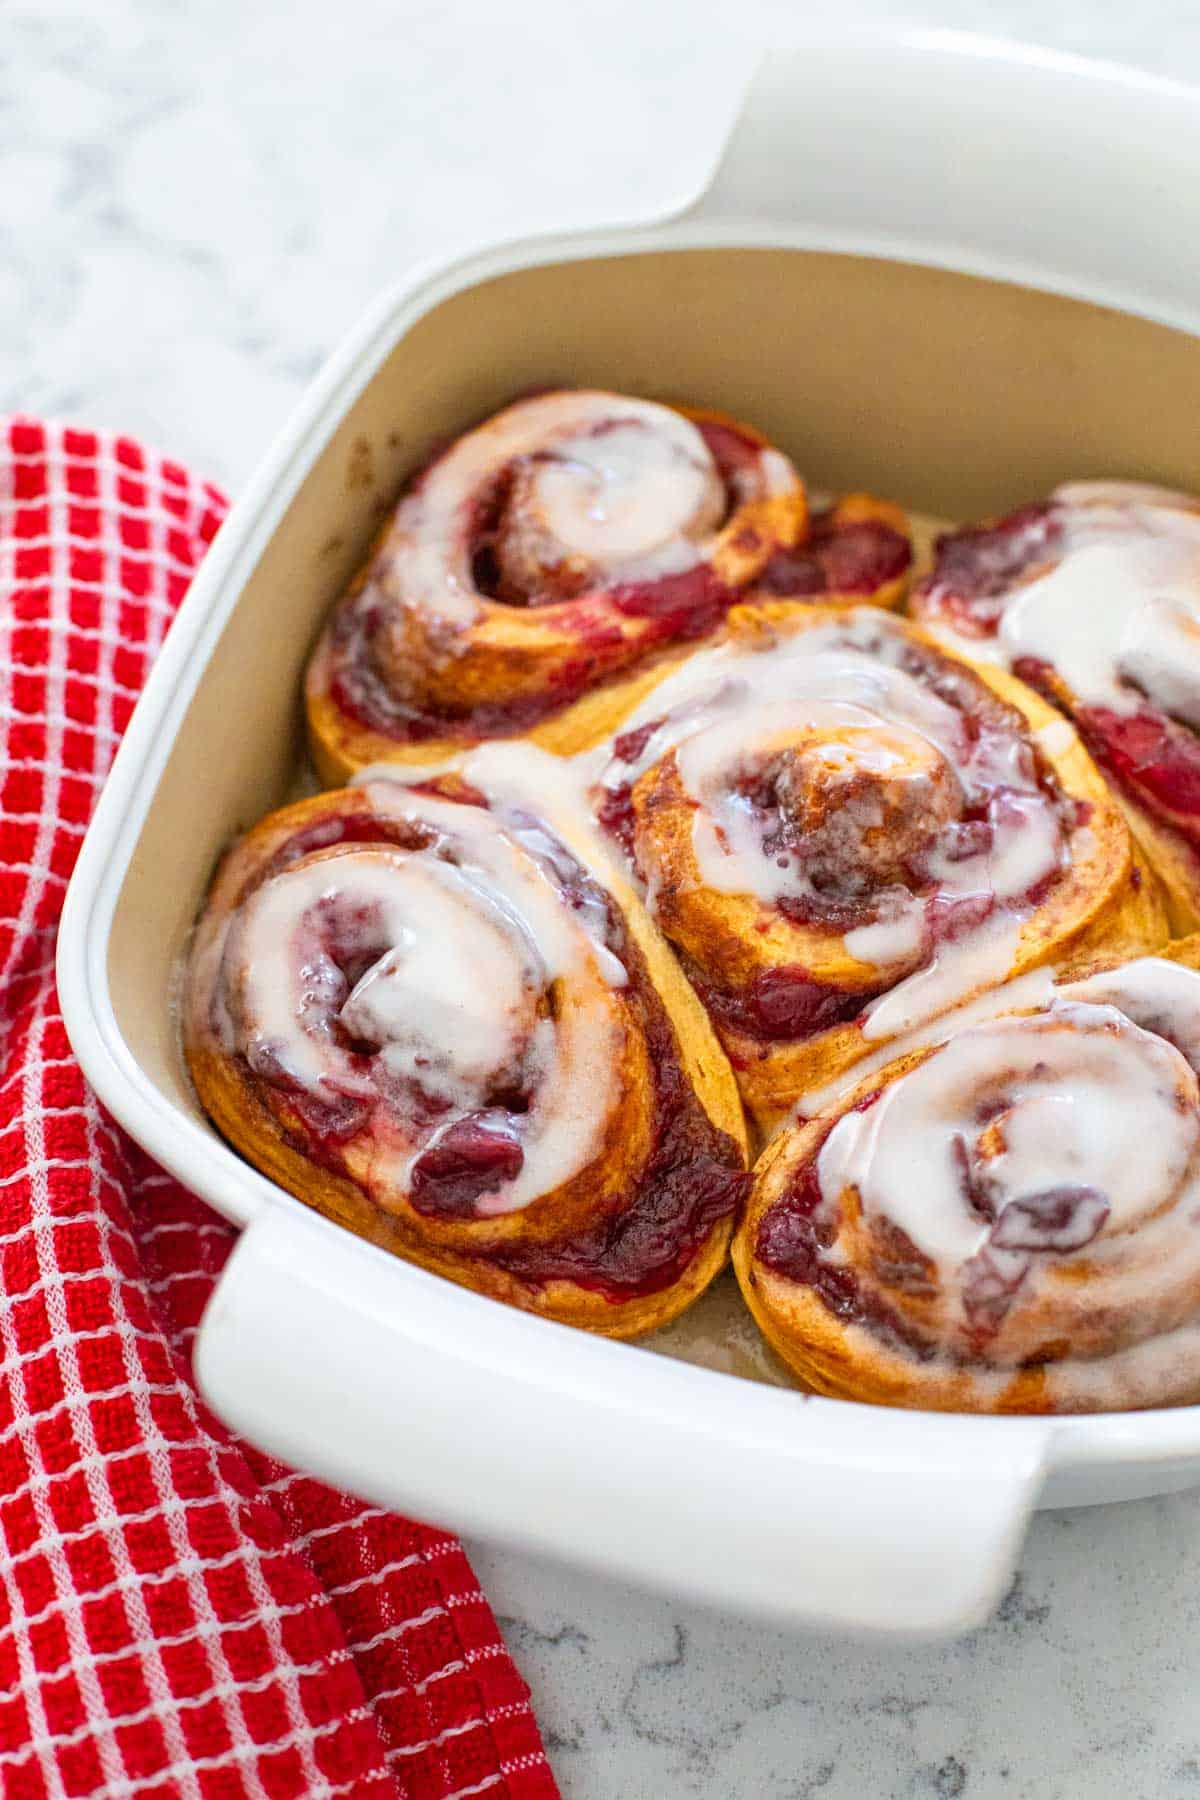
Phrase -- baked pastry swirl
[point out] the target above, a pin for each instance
(844, 831)
(1093, 597)
(427, 1011)
(551, 553)
(1008, 1222)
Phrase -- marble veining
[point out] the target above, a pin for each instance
(198, 201)
(1082, 1685)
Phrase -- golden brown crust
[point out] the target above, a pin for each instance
(1174, 861)
(263, 1123)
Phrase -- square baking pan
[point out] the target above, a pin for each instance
(947, 270)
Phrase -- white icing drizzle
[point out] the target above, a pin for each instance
(1062, 1127)
(1116, 611)
(424, 999)
(511, 772)
(612, 488)
(835, 699)
(1097, 615)
(1057, 737)
(1100, 1105)
(628, 494)
(1033, 989)
(1029, 1146)
(977, 959)
(459, 951)
(1160, 996)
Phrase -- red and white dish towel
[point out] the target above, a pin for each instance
(179, 1616)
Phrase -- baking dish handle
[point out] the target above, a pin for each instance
(421, 1396)
(888, 144)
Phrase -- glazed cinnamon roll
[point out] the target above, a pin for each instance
(1009, 1222)
(532, 571)
(1093, 597)
(844, 831)
(429, 1012)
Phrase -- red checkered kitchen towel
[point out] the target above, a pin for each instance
(178, 1614)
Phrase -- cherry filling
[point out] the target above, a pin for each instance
(1054, 1220)
(1060, 1220)
(1151, 756)
(736, 455)
(784, 1005)
(859, 556)
(796, 1234)
(685, 605)
(794, 1239)
(365, 827)
(671, 608)
(975, 570)
(334, 944)
(692, 1179)
(469, 1158)
(1155, 759)
(326, 1122)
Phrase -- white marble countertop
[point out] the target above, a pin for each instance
(198, 201)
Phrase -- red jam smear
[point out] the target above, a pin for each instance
(975, 570)
(692, 1180)
(1152, 757)
(794, 1242)
(858, 557)
(362, 827)
(736, 453)
(784, 1004)
(684, 605)
(691, 1183)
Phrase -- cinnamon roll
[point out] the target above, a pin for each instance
(844, 831)
(432, 1013)
(1093, 597)
(535, 568)
(1007, 1222)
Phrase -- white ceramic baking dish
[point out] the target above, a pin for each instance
(950, 270)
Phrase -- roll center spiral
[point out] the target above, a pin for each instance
(603, 503)
(860, 806)
(1036, 1137)
(441, 990)
(435, 996)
